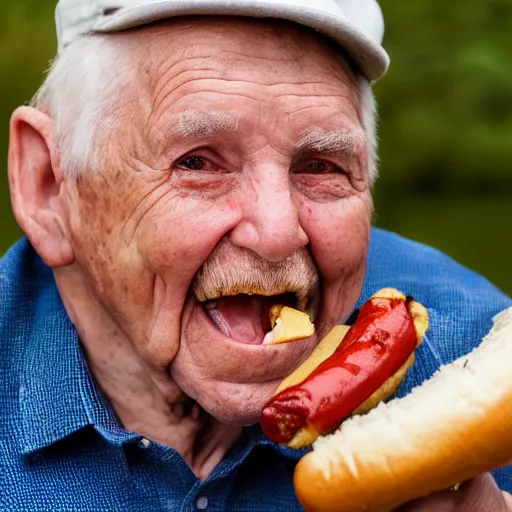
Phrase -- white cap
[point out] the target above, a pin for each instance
(356, 25)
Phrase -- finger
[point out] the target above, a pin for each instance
(480, 494)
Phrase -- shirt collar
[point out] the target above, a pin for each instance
(57, 395)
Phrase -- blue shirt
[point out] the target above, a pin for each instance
(62, 448)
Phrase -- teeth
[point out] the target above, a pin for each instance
(211, 305)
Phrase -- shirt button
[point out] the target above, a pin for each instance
(202, 503)
(145, 442)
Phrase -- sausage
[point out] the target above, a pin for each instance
(375, 348)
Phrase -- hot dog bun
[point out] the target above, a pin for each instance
(451, 428)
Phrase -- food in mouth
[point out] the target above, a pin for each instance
(258, 319)
(288, 324)
(237, 289)
(352, 375)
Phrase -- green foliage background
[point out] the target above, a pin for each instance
(446, 121)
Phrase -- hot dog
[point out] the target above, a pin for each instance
(451, 428)
(363, 370)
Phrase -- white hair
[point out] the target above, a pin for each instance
(368, 114)
(82, 95)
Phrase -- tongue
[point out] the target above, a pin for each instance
(242, 317)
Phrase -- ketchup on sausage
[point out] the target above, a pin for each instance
(374, 349)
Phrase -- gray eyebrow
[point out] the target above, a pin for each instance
(341, 141)
(205, 123)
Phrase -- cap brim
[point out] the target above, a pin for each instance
(369, 57)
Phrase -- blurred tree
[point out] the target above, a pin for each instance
(27, 43)
(446, 104)
(446, 129)
(445, 110)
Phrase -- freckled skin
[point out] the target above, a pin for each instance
(143, 227)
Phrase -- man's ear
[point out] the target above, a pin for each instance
(35, 182)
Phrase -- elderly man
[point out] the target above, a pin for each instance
(184, 166)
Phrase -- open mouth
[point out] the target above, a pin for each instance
(237, 290)
(245, 317)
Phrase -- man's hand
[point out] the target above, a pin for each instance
(478, 495)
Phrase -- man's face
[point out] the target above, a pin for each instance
(239, 167)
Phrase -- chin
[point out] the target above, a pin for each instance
(235, 404)
(223, 361)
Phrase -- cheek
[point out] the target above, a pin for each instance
(93, 215)
(339, 234)
(176, 240)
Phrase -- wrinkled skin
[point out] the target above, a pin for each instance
(127, 239)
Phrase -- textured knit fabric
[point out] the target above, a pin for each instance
(62, 449)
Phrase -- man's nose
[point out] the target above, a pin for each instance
(270, 225)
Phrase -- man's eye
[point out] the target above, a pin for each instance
(316, 167)
(193, 163)
(319, 167)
